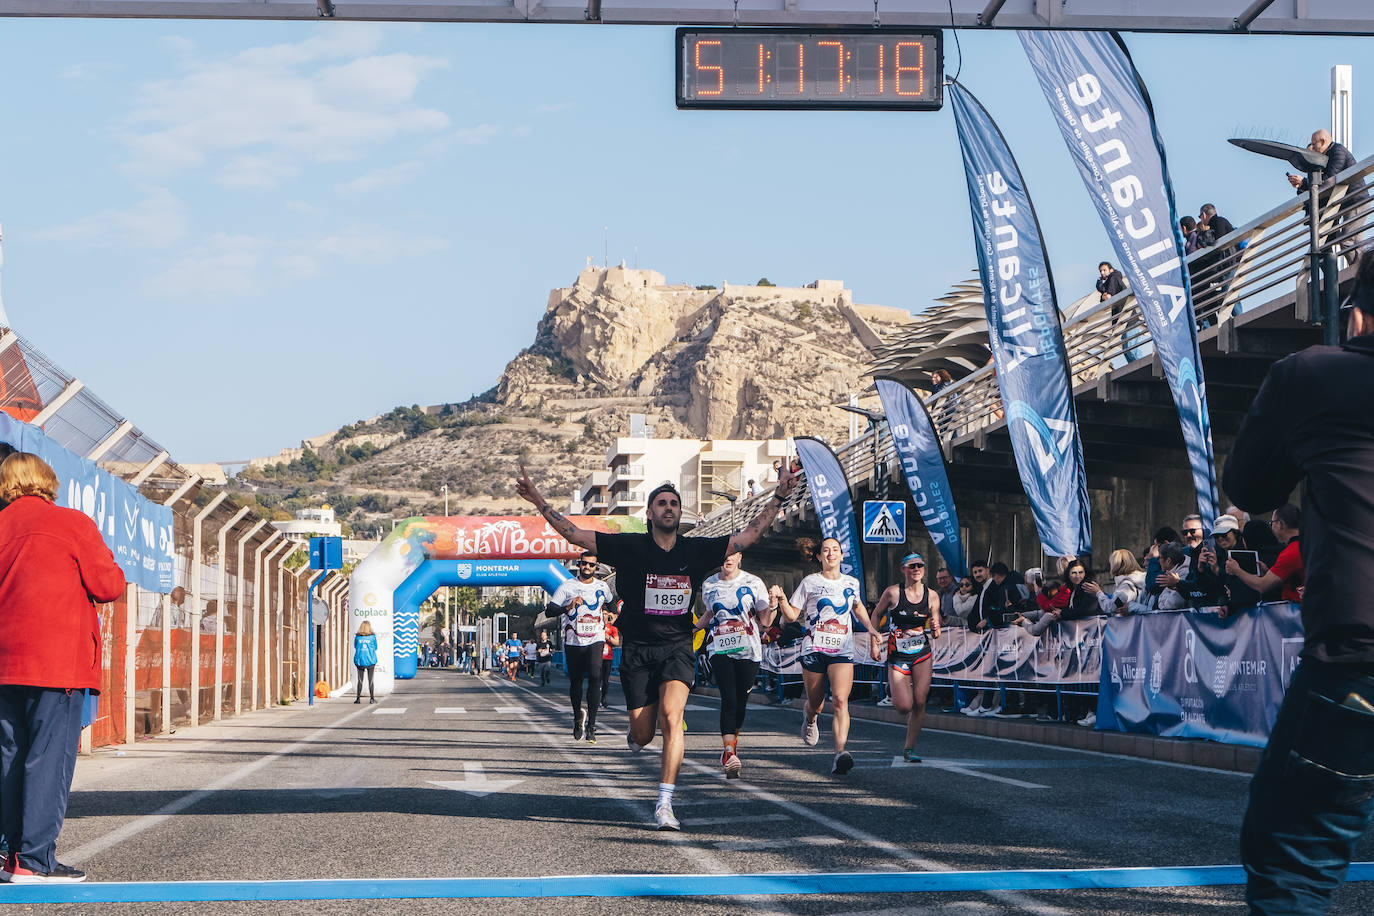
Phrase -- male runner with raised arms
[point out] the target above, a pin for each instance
(584, 633)
(658, 574)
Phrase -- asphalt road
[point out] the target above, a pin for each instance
(457, 776)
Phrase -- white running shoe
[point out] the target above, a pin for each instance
(634, 747)
(663, 816)
(989, 711)
(885, 701)
(972, 711)
(1089, 720)
(843, 763)
(811, 731)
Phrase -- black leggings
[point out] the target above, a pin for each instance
(371, 694)
(735, 677)
(605, 678)
(584, 662)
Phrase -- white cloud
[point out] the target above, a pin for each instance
(158, 220)
(87, 70)
(261, 114)
(381, 179)
(245, 265)
(224, 265)
(255, 172)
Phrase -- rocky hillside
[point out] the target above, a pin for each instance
(746, 362)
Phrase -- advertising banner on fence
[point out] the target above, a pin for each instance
(1067, 653)
(833, 503)
(1199, 676)
(138, 531)
(1104, 114)
(1024, 333)
(918, 452)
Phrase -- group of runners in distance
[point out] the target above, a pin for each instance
(659, 575)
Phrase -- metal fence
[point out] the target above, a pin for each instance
(231, 636)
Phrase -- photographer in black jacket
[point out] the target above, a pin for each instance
(1313, 795)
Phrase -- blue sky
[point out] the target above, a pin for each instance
(240, 234)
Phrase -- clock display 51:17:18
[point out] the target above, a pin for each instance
(811, 67)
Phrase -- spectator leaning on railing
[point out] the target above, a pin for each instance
(1313, 794)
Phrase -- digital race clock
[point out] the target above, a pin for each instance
(860, 68)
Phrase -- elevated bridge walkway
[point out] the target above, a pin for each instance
(1251, 299)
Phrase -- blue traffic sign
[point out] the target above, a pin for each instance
(326, 553)
(884, 521)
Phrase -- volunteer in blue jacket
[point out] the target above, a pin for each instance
(365, 657)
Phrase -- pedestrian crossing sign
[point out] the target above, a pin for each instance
(884, 521)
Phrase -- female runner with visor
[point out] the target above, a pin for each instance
(910, 612)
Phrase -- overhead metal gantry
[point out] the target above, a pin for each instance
(1318, 17)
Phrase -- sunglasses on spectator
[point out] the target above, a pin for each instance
(586, 563)
(1192, 531)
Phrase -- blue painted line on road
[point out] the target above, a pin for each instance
(643, 885)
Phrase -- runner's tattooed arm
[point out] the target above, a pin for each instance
(747, 538)
(526, 490)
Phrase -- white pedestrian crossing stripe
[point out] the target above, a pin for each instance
(449, 710)
(510, 710)
(389, 711)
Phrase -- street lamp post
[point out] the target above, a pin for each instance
(879, 471)
(1321, 298)
(732, 498)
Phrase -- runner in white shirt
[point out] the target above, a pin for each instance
(738, 610)
(829, 600)
(584, 633)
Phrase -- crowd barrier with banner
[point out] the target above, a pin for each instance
(1198, 675)
(1178, 675)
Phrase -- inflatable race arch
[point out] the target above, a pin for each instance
(422, 555)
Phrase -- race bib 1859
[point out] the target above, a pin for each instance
(666, 595)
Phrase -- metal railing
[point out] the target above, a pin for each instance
(1261, 260)
(627, 472)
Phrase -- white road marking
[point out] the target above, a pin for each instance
(1035, 744)
(950, 767)
(762, 843)
(449, 710)
(95, 847)
(389, 711)
(722, 821)
(510, 710)
(705, 861)
(475, 782)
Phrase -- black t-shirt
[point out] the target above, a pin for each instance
(543, 650)
(666, 581)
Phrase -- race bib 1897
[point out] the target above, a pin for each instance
(666, 595)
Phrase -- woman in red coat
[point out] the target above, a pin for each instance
(54, 567)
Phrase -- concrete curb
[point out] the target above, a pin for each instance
(1192, 752)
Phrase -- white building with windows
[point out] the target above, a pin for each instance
(309, 522)
(708, 473)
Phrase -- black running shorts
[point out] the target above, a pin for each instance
(644, 669)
